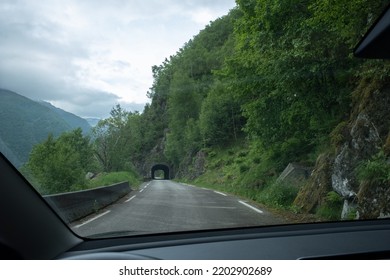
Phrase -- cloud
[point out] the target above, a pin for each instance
(87, 56)
(87, 103)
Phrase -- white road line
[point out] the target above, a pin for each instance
(251, 207)
(130, 198)
(218, 207)
(141, 190)
(220, 193)
(94, 218)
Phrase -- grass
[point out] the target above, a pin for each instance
(240, 171)
(376, 170)
(278, 195)
(331, 208)
(107, 179)
(249, 174)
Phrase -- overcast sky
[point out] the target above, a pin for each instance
(87, 56)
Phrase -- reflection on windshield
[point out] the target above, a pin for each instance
(263, 117)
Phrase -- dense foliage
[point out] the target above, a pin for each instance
(60, 165)
(282, 84)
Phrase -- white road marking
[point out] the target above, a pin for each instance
(251, 207)
(94, 218)
(130, 198)
(141, 190)
(220, 193)
(218, 207)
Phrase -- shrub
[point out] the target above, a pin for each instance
(244, 168)
(377, 169)
(211, 154)
(113, 178)
(242, 154)
(332, 207)
(339, 134)
(278, 195)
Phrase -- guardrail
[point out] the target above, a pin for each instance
(73, 206)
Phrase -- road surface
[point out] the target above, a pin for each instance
(167, 206)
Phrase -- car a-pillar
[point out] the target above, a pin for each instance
(164, 168)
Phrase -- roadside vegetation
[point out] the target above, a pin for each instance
(107, 179)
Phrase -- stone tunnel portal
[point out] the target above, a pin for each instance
(164, 168)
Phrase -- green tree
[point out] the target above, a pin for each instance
(220, 117)
(187, 79)
(294, 75)
(111, 143)
(60, 165)
(123, 139)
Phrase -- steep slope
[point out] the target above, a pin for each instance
(358, 169)
(92, 121)
(72, 120)
(23, 123)
(8, 153)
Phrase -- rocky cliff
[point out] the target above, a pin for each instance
(358, 165)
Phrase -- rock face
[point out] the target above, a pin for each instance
(373, 201)
(155, 156)
(198, 166)
(313, 193)
(294, 174)
(369, 129)
(364, 142)
(192, 166)
(367, 133)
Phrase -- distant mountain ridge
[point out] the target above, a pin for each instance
(92, 121)
(24, 123)
(71, 119)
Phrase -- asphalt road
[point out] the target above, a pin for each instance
(167, 206)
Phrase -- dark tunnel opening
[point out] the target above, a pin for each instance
(160, 167)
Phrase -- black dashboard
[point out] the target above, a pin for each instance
(347, 240)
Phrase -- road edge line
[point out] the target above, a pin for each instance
(220, 193)
(251, 207)
(92, 219)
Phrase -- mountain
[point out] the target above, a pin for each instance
(92, 121)
(71, 119)
(8, 153)
(24, 123)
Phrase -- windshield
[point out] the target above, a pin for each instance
(143, 117)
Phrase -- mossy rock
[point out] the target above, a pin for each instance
(373, 98)
(314, 192)
(386, 146)
(373, 200)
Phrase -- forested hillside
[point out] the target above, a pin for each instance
(24, 123)
(271, 83)
(71, 119)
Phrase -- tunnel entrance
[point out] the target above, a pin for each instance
(160, 171)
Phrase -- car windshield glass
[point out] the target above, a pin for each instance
(143, 117)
